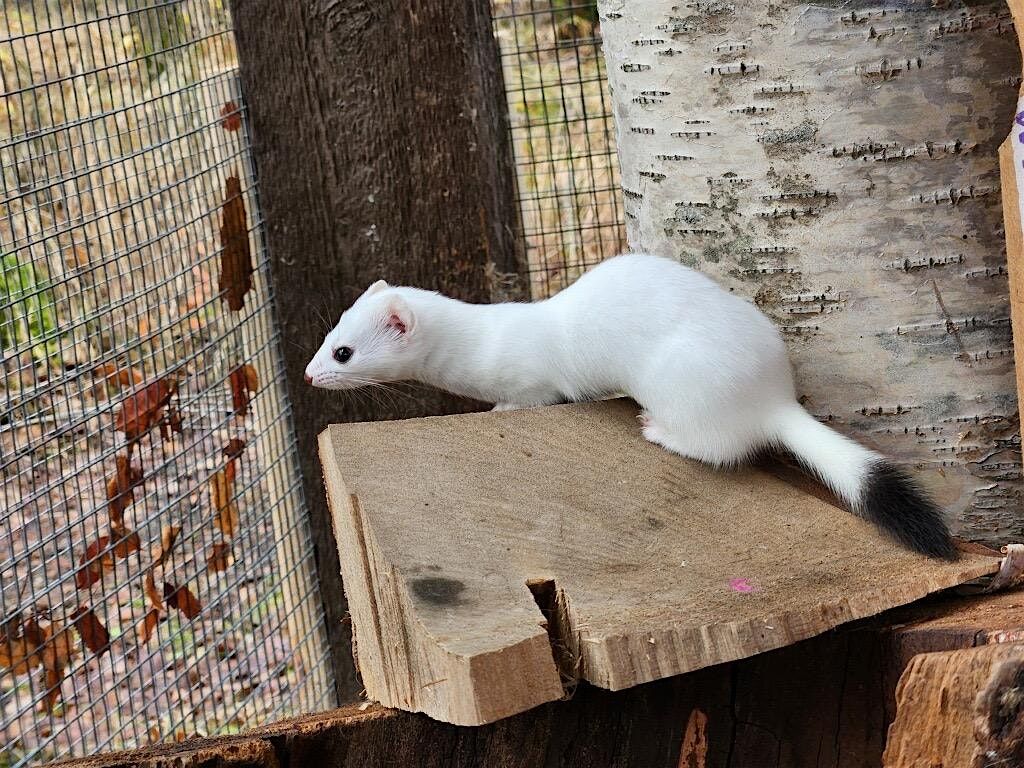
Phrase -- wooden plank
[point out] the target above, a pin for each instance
(646, 565)
(376, 158)
(810, 705)
(960, 708)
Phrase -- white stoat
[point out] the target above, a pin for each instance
(708, 368)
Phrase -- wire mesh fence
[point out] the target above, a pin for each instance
(156, 575)
(563, 137)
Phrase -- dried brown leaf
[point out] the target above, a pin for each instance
(56, 655)
(244, 382)
(148, 624)
(168, 536)
(125, 378)
(97, 559)
(120, 487)
(231, 118)
(16, 655)
(52, 678)
(155, 599)
(125, 541)
(94, 635)
(226, 516)
(220, 557)
(229, 473)
(144, 408)
(20, 644)
(234, 448)
(182, 599)
(236, 257)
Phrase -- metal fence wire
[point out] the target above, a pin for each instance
(156, 567)
(563, 137)
(156, 574)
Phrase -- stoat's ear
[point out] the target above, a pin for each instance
(398, 315)
(380, 285)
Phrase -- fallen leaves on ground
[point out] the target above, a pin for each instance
(120, 487)
(244, 382)
(97, 559)
(20, 642)
(236, 257)
(144, 409)
(182, 599)
(148, 624)
(56, 655)
(94, 635)
(145, 628)
(231, 118)
(220, 557)
(25, 644)
(125, 377)
(125, 541)
(226, 515)
(234, 448)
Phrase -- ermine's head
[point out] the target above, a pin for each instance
(369, 345)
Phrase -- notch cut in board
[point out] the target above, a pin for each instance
(647, 564)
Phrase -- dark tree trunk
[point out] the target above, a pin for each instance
(382, 150)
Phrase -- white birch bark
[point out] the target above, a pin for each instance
(837, 163)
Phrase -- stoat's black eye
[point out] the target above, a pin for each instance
(342, 354)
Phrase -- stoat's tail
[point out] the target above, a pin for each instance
(869, 483)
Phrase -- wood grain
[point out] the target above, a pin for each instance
(377, 158)
(655, 565)
(960, 709)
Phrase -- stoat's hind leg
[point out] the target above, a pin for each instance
(653, 432)
(707, 443)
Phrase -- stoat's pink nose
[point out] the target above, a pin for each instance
(309, 379)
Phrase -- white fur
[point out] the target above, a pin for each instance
(708, 368)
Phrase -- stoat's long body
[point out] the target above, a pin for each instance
(708, 368)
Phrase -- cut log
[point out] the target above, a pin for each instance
(811, 705)
(466, 540)
(960, 709)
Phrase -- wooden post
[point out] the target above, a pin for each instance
(960, 708)
(381, 149)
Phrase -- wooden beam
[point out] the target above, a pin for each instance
(491, 532)
(812, 705)
(960, 708)
(382, 150)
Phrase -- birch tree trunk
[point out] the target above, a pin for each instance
(837, 163)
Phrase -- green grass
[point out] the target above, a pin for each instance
(28, 315)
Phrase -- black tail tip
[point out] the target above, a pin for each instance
(895, 503)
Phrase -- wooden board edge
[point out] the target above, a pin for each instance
(466, 690)
(598, 666)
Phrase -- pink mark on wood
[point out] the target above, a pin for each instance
(741, 585)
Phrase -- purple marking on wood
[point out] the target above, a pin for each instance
(1020, 119)
(741, 585)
